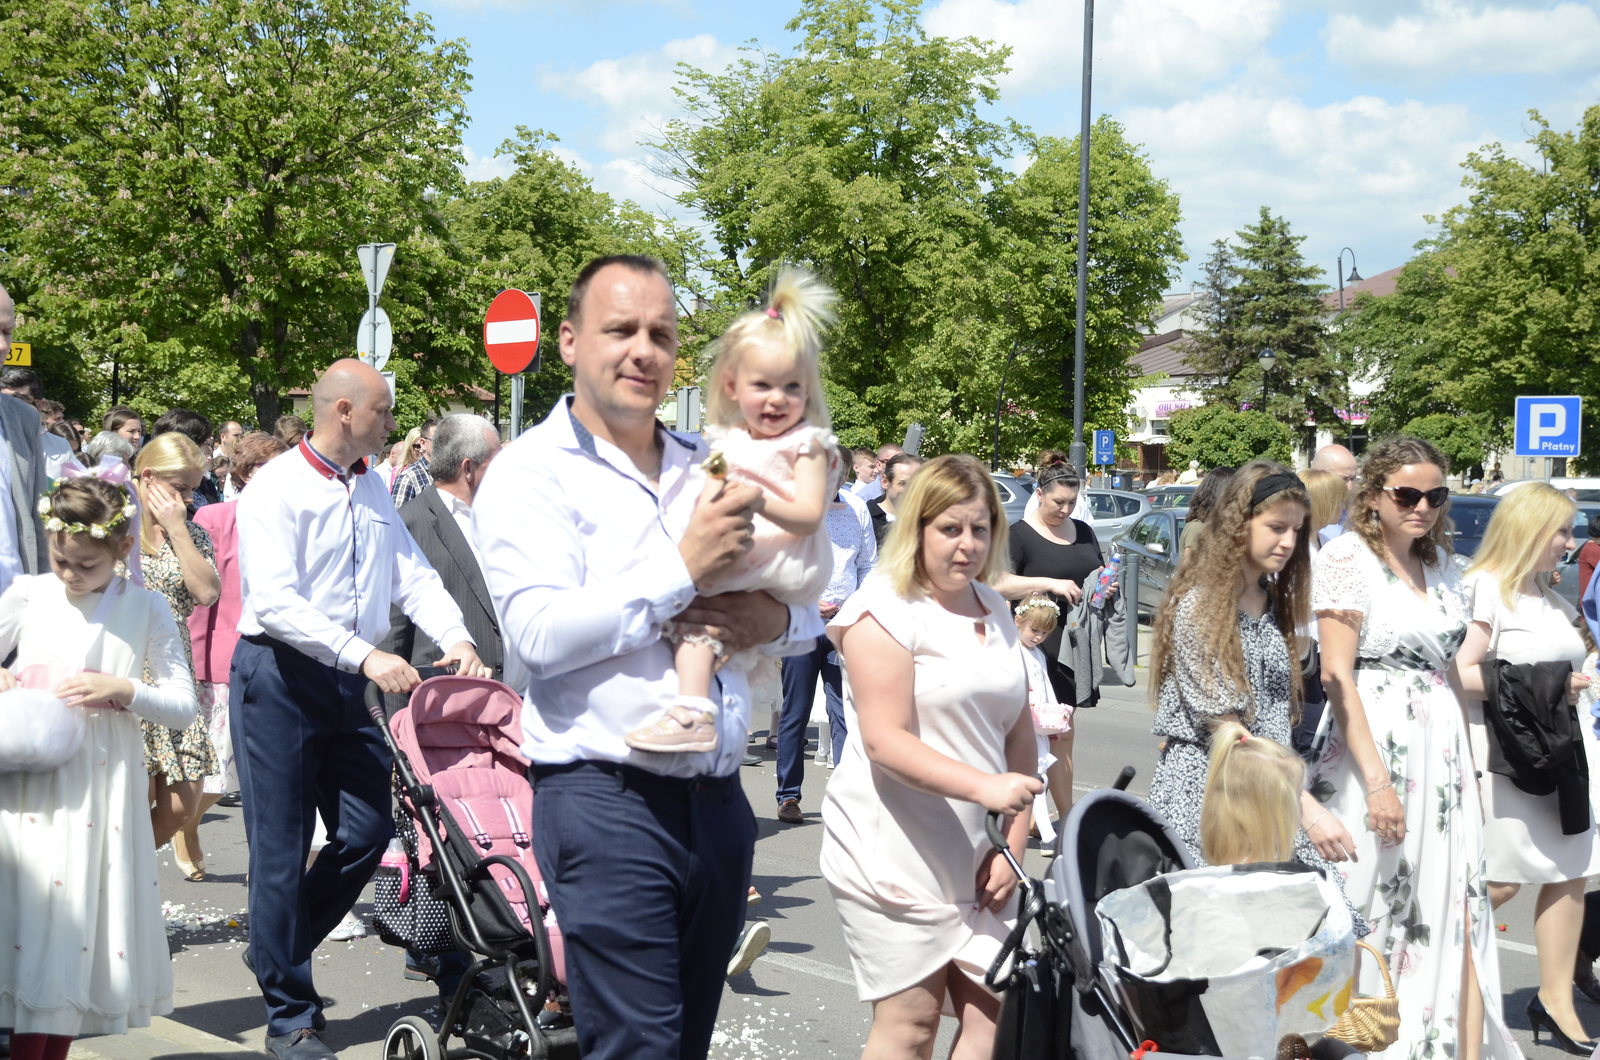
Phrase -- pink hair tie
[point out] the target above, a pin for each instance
(1245, 737)
(772, 311)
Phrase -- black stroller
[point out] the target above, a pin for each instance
(1057, 1006)
(459, 782)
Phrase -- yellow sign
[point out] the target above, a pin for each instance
(21, 355)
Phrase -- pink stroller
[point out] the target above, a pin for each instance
(461, 781)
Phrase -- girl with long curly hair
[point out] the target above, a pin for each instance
(1226, 648)
(1398, 764)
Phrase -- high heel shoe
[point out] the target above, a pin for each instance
(1583, 978)
(1539, 1018)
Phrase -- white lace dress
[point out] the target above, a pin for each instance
(1417, 893)
(83, 947)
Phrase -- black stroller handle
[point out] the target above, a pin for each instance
(373, 696)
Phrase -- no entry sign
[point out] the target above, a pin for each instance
(511, 331)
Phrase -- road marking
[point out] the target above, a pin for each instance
(807, 966)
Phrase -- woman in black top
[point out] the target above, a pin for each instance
(1051, 552)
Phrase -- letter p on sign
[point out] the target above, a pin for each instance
(1549, 426)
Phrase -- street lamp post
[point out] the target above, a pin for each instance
(1355, 277)
(1266, 358)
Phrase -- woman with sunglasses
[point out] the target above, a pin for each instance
(1398, 769)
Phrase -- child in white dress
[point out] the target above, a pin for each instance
(83, 947)
(1037, 617)
(768, 425)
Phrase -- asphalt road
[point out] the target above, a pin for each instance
(798, 1001)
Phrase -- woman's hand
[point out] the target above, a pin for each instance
(8, 680)
(1068, 590)
(87, 687)
(996, 882)
(1008, 793)
(166, 507)
(1331, 838)
(1385, 815)
(1575, 688)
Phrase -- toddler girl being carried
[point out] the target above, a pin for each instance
(768, 425)
(83, 945)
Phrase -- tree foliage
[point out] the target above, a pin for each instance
(1220, 437)
(865, 156)
(1259, 294)
(1464, 440)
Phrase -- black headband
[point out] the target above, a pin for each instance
(1273, 484)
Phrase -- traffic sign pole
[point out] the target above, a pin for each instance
(511, 339)
(375, 336)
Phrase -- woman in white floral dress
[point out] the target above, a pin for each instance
(1398, 769)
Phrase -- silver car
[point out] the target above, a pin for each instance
(1111, 512)
(1013, 495)
(1153, 538)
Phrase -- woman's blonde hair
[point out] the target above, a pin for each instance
(165, 454)
(799, 308)
(939, 484)
(1038, 611)
(1252, 801)
(408, 452)
(1520, 528)
(1214, 571)
(1329, 497)
(1382, 461)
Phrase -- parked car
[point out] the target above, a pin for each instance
(1583, 490)
(1112, 511)
(1468, 518)
(1170, 496)
(1013, 495)
(1153, 538)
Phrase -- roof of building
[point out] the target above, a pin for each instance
(1379, 286)
(1163, 355)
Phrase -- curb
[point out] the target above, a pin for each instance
(163, 1038)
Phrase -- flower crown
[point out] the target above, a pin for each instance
(1035, 602)
(117, 476)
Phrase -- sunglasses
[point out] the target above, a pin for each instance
(1410, 496)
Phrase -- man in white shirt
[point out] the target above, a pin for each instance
(321, 555)
(868, 484)
(591, 543)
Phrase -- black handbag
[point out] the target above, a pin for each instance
(406, 911)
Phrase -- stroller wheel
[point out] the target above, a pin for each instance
(411, 1039)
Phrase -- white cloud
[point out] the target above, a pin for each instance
(1469, 39)
(635, 91)
(1361, 172)
(486, 167)
(1143, 49)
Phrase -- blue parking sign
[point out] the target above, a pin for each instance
(1548, 426)
(1105, 447)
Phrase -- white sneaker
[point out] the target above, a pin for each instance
(752, 942)
(348, 930)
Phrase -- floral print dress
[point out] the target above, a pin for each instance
(178, 754)
(1421, 893)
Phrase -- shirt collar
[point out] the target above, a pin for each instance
(583, 438)
(325, 467)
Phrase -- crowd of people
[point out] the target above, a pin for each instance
(1328, 684)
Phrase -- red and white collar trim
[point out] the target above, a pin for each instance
(325, 467)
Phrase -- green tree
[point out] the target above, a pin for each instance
(1519, 310)
(865, 156)
(1219, 437)
(189, 179)
(1259, 294)
(1464, 440)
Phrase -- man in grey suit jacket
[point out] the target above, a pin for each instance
(440, 520)
(23, 548)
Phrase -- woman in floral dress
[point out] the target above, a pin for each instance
(179, 564)
(1397, 769)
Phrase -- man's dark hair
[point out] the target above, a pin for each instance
(289, 429)
(186, 422)
(25, 380)
(899, 460)
(636, 262)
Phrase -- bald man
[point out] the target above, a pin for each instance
(22, 473)
(1339, 460)
(321, 558)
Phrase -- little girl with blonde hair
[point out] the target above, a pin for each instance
(1037, 617)
(768, 425)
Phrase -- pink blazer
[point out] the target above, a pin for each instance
(214, 630)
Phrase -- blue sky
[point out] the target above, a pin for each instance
(1349, 119)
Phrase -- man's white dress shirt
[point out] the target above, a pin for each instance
(323, 554)
(580, 554)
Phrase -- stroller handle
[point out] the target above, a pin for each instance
(373, 696)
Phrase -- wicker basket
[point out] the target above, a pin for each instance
(1370, 1024)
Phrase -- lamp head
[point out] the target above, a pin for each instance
(1354, 277)
(1267, 359)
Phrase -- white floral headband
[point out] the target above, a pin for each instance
(1034, 603)
(114, 472)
